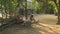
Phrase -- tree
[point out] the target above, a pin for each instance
(59, 13)
(53, 5)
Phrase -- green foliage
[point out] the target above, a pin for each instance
(47, 5)
(33, 1)
(9, 4)
(36, 6)
(13, 4)
(53, 6)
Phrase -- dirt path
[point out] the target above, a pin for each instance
(40, 28)
(35, 29)
(47, 19)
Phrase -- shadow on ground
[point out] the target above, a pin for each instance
(19, 29)
(35, 28)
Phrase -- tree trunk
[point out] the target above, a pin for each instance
(26, 9)
(59, 13)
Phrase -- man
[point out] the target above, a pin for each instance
(32, 19)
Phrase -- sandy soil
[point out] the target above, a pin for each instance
(46, 25)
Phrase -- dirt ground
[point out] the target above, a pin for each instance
(46, 25)
(47, 19)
